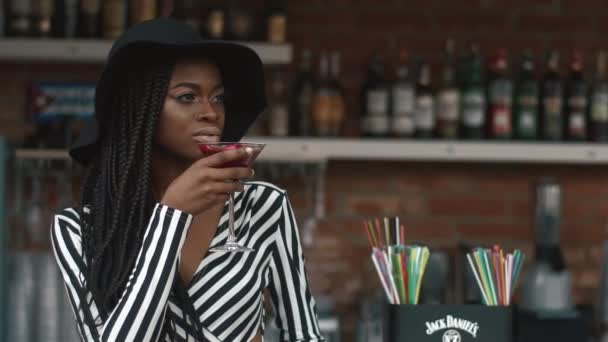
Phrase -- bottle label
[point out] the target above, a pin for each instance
(20, 25)
(425, 115)
(599, 106)
(322, 112)
(143, 10)
(526, 121)
(403, 100)
(377, 102)
(114, 18)
(277, 28)
(552, 125)
(448, 105)
(501, 119)
(553, 105)
(576, 124)
(473, 109)
(241, 24)
(279, 122)
(44, 26)
(375, 124)
(215, 25)
(404, 125)
(578, 102)
(338, 110)
(527, 101)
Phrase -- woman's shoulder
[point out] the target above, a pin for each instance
(66, 233)
(69, 219)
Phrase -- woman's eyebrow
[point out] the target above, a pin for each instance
(191, 85)
(217, 87)
(196, 86)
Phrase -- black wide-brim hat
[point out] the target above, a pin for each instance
(241, 69)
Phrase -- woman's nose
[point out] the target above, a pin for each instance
(206, 112)
(207, 115)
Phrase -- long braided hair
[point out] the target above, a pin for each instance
(117, 183)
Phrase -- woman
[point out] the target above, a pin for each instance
(134, 256)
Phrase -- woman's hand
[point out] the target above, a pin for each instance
(206, 184)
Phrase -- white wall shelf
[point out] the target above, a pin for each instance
(95, 51)
(321, 150)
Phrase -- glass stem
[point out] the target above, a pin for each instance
(231, 234)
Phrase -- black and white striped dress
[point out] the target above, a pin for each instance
(227, 288)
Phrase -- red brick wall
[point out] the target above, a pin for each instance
(358, 27)
(440, 203)
(445, 203)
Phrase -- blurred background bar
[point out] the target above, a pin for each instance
(453, 115)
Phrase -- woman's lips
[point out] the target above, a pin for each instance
(206, 138)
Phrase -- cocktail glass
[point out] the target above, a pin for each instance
(253, 150)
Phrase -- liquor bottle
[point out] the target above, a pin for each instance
(188, 12)
(551, 93)
(2, 18)
(338, 103)
(276, 21)
(375, 119)
(576, 91)
(598, 128)
(322, 99)
(278, 111)
(166, 8)
(328, 106)
(525, 110)
(114, 20)
(473, 96)
(65, 19)
(402, 99)
(42, 14)
(448, 98)
(215, 23)
(19, 14)
(425, 103)
(301, 99)
(89, 18)
(603, 330)
(141, 10)
(500, 93)
(601, 309)
(241, 21)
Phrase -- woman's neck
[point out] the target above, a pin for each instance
(166, 168)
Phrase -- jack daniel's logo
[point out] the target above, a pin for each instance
(451, 336)
(452, 323)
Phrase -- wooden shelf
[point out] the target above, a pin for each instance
(438, 151)
(95, 51)
(322, 150)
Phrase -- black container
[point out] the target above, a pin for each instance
(450, 323)
(564, 327)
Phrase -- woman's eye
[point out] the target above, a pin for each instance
(188, 97)
(217, 98)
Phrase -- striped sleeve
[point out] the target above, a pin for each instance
(292, 300)
(139, 314)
